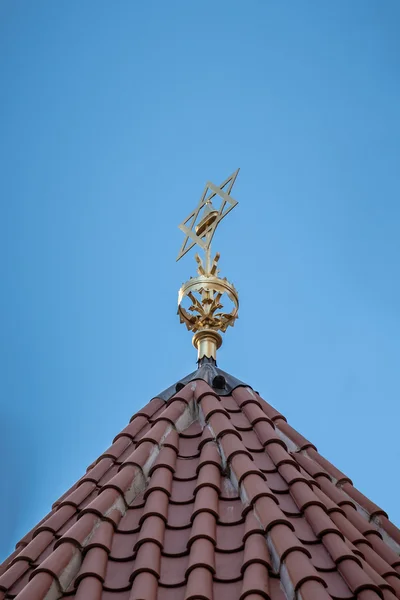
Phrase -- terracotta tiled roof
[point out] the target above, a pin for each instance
(209, 496)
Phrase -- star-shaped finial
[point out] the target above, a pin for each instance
(201, 232)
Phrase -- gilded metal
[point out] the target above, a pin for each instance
(188, 226)
(204, 315)
(207, 341)
(205, 293)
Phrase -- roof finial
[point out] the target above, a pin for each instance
(203, 316)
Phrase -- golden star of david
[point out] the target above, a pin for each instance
(189, 224)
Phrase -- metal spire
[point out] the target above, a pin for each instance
(204, 316)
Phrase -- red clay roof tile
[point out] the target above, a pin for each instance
(206, 497)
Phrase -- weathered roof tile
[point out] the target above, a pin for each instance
(203, 497)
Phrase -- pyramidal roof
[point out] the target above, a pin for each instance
(209, 493)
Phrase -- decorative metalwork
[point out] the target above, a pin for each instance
(205, 293)
(204, 316)
(202, 232)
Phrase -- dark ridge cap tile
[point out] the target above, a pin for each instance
(171, 390)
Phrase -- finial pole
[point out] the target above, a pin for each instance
(208, 253)
(203, 316)
(207, 342)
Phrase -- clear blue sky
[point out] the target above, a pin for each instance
(113, 116)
